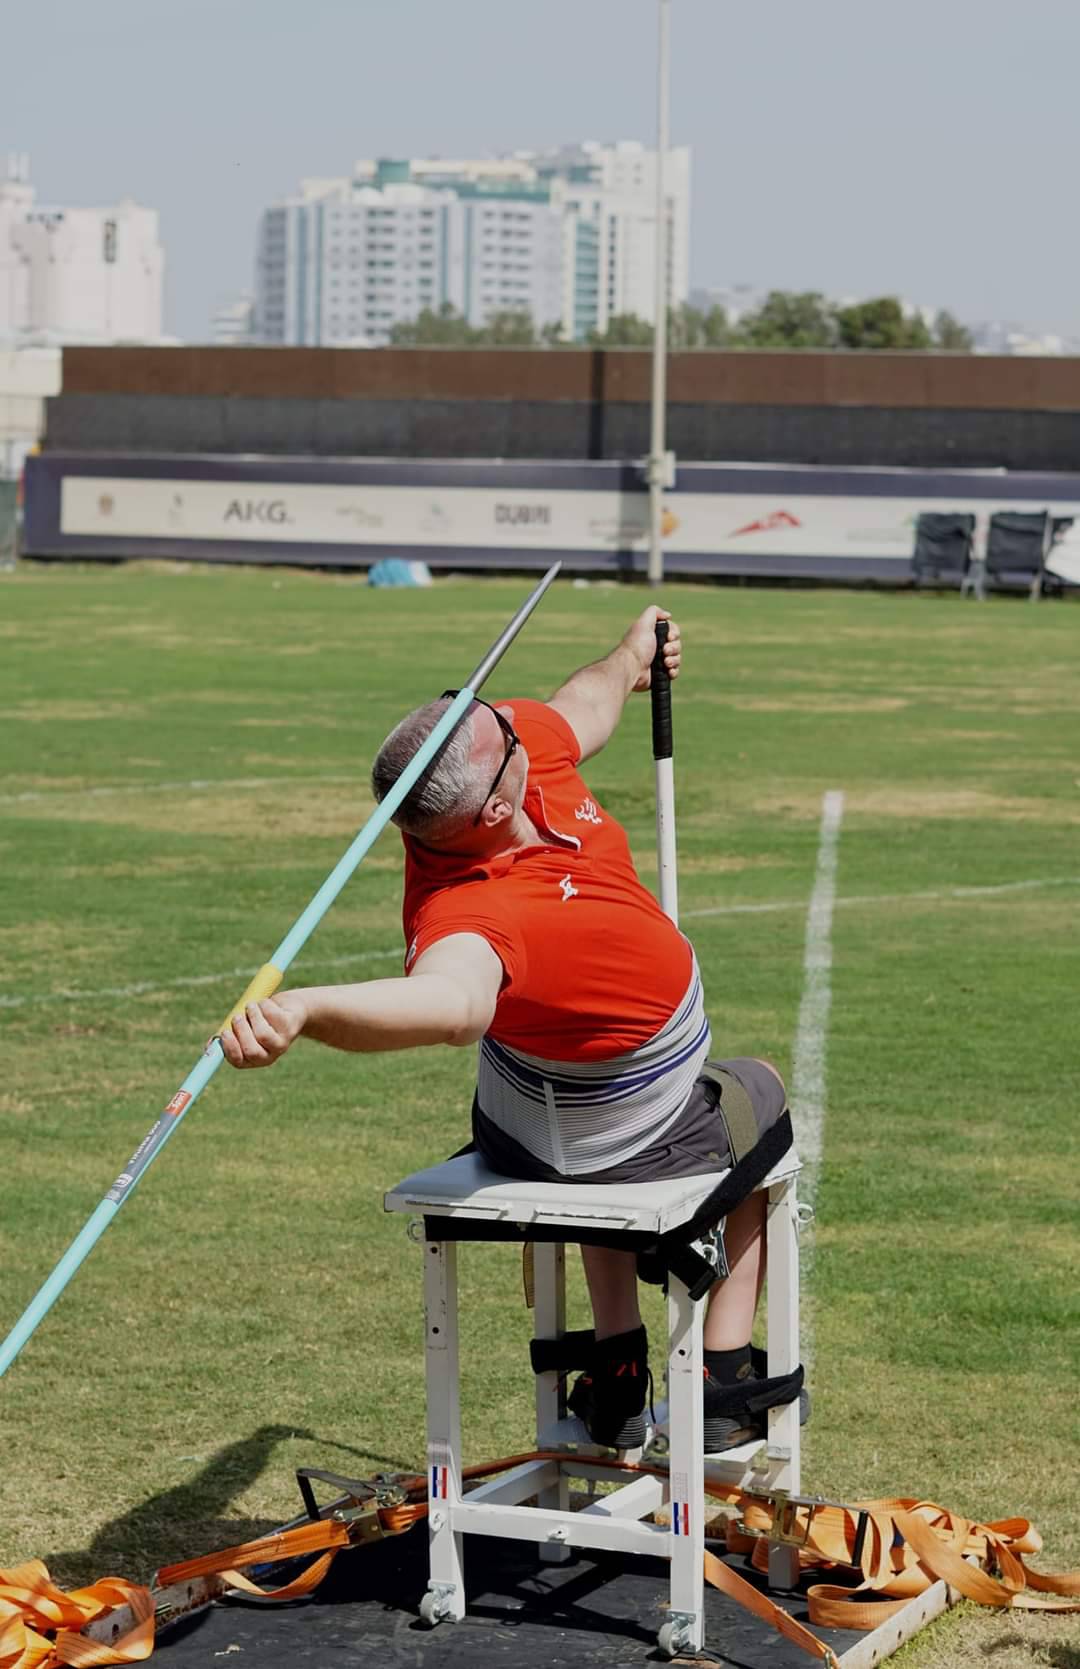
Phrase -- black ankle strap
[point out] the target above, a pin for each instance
(565, 1355)
(755, 1395)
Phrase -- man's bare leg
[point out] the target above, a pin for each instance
(729, 1318)
(610, 1397)
(612, 1281)
(733, 1303)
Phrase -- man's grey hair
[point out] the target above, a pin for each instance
(448, 794)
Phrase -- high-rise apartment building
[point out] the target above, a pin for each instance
(76, 275)
(343, 263)
(567, 236)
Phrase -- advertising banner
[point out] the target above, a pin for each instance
(722, 519)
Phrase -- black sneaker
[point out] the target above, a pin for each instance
(728, 1422)
(738, 1413)
(614, 1397)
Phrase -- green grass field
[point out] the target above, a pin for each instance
(184, 757)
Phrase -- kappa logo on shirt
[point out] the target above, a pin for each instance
(568, 889)
(588, 812)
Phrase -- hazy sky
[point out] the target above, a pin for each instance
(928, 148)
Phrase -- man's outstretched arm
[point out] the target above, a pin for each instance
(592, 700)
(449, 997)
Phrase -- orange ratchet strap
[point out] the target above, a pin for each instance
(907, 1546)
(31, 1604)
(896, 1548)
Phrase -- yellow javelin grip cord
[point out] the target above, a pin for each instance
(264, 984)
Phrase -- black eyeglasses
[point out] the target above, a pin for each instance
(512, 740)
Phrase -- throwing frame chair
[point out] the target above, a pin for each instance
(462, 1200)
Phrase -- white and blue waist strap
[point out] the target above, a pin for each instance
(583, 1117)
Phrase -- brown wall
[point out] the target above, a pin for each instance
(892, 381)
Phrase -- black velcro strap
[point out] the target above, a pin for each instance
(652, 1269)
(741, 1180)
(696, 1273)
(566, 1355)
(756, 1395)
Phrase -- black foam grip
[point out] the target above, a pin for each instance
(660, 690)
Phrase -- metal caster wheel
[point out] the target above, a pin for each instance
(673, 1636)
(670, 1640)
(432, 1609)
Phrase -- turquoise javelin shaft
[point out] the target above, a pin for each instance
(212, 1057)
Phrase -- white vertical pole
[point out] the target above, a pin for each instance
(665, 838)
(658, 468)
(784, 1439)
(443, 1427)
(550, 1323)
(686, 1426)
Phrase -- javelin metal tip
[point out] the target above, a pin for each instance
(506, 638)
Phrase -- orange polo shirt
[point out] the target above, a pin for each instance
(592, 966)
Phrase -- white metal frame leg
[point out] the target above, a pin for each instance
(549, 1322)
(784, 1440)
(687, 1466)
(445, 1598)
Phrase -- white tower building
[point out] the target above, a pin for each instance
(609, 197)
(346, 261)
(77, 275)
(16, 201)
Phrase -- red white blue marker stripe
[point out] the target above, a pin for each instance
(439, 1488)
(680, 1518)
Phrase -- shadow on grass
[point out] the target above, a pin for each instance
(1056, 1656)
(194, 1517)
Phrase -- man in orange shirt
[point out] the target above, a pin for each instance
(528, 932)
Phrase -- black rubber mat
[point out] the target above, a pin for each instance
(596, 1609)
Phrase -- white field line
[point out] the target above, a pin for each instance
(145, 988)
(807, 1097)
(931, 894)
(200, 785)
(808, 1058)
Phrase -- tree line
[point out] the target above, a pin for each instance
(785, 319)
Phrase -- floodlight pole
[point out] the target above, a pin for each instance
(660, 471)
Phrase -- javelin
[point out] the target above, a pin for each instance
(264, 984)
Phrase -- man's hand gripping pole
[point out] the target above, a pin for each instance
(264, 984)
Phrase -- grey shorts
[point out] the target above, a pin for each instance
(705, 1137)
